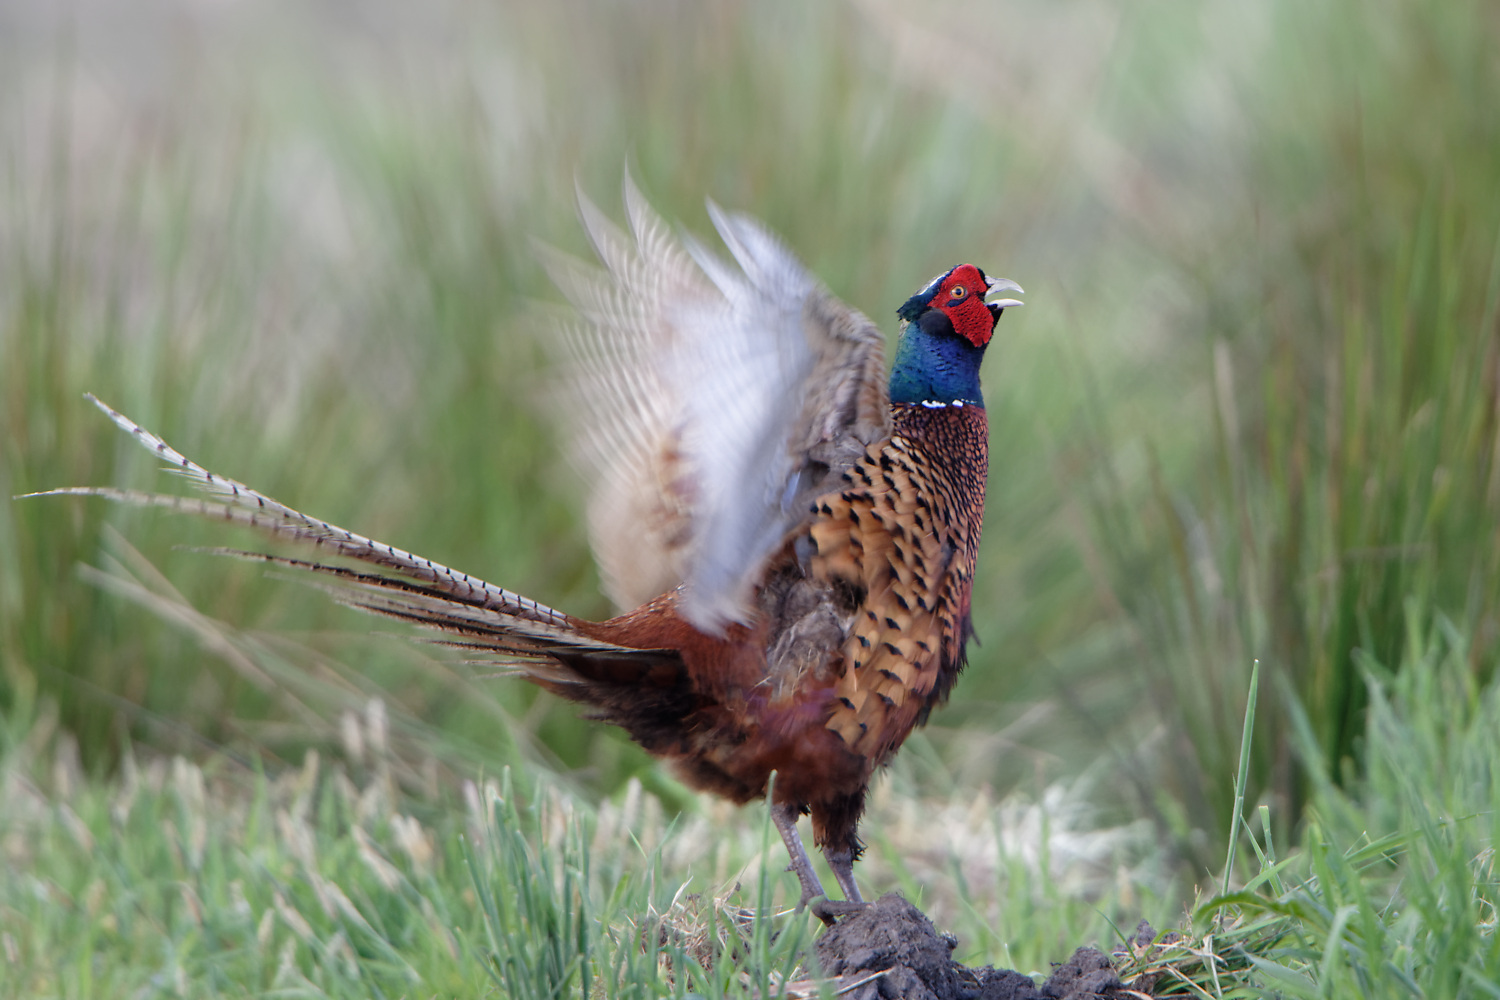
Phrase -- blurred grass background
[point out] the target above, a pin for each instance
(1249, 410)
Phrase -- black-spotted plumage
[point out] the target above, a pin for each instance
(905, 532)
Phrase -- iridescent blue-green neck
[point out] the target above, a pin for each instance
(934, 365)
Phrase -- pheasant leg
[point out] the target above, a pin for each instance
(785, 817)
(827, 910)
(842, 863)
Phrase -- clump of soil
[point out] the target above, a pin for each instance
(893, 937)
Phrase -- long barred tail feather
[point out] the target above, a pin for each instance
(496, 629)
(499, 623)
(239, 503)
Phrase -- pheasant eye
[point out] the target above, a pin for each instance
(958, 292)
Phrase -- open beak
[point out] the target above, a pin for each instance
(1002, 285)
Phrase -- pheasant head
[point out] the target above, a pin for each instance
(945, 329)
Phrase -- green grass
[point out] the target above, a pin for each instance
(326, 880)
(329, 880)
(1393, 889)
(1346, 338)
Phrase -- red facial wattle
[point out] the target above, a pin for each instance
(961, 299)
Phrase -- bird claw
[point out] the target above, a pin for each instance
(830, 910)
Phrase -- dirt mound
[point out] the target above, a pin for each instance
(895, 938)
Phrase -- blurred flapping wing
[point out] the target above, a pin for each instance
(714, 399)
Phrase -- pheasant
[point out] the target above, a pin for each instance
(795, 534)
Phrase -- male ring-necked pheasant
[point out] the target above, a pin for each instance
(796, 534)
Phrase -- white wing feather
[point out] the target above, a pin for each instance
(713, 397)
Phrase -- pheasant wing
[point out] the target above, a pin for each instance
(716, 398)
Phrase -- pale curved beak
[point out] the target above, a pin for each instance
(1003, 285)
